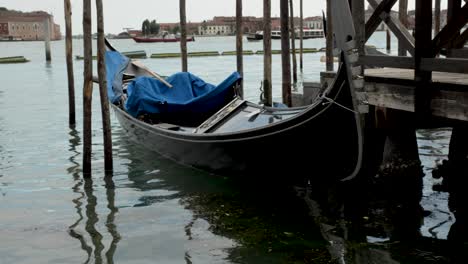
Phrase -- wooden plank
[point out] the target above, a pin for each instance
(387, 61)
(460, 41)
(398, 29)
(460, 53)
(358, 10)
(451, 31)
(445, 65)
(448, 104)
(391, 75)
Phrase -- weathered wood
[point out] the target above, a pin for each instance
(301, 36)
(398, 29)
(374, 21)
(403, 17)
(183, 35)
(460, 53)
(422, 78)
(387, 61)
(406, 76)
(460, 41)
(47, 39)
(445, 65)
(437, 17)
(69, 59)
(87, 88)
(451, 31)
(285, 54)
(267, 88)
(358, 10)
(293, 41)
(329, 49)
(239, 48)
(444, 103)
(106, 126)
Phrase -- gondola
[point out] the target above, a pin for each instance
(239, 137)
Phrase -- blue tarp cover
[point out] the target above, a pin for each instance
(188, 94)
(116, 63)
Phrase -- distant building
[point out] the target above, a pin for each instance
(27, 26)
(212, 29)
(313, 22)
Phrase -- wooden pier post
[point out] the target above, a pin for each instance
(329, 41)
(87, 88)
(403, 17)
(106, 127)
(293, 41)
(69, 55)
(358, 10)
(183, 35)
(422, 77)
(285, 54)
(267, 88)
(47, 39)
(301, 36)
(239, 49)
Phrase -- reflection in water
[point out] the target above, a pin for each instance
(86, 190)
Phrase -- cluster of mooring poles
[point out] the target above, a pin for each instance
(88, 83)
(287, 40)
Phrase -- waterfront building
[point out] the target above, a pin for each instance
(27, 26)
(212, 29)
(315, 22)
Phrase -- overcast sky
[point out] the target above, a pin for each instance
(119, 14)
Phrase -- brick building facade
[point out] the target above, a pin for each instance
(28, 26)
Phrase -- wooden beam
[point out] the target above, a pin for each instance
(460, 41)
(444, 103)
(329, 49)
(402, 62)
(403, 17)
(460, 53)
(358, 11)
(445, 65)
(375, 20)
(451, 31)
(397, 27)
(423, 30)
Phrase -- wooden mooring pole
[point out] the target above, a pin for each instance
(47, 39)
(285, 54)
(389, 41)
(267, 88)
(293, 41)
(87, 88)
(108, 164)
(301, 36)
(183, 35)
(239, 49)
(329, 40)
(69, 55)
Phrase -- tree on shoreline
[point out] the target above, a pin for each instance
(150, 28)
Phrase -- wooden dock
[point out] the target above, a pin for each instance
(395, 88)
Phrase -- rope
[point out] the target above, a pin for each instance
(331, 101)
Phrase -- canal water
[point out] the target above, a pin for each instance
(156, 211)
